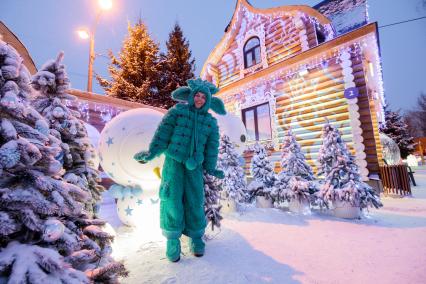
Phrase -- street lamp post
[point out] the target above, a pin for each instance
(92, 54)
(104, 5)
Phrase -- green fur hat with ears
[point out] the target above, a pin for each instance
(198, 85)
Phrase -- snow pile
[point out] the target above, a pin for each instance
(273, 246)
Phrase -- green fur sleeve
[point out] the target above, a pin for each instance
(212, 149)
(163, 134)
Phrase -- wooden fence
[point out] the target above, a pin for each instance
(395, 180)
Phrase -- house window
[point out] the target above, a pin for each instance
(320, 36)
(257, 120)
(252, 52)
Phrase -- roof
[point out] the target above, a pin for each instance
(9, 37)
(103, 99)
(346, 15)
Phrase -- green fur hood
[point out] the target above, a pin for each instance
(187, 93)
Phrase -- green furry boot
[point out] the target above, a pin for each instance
(196, 245)
(173, 250)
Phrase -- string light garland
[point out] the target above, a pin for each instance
(106, 112)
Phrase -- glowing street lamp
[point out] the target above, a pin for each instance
(83, 33)
(104, 5)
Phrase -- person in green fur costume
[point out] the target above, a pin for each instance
(188, 135)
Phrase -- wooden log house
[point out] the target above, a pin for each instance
(290, 67)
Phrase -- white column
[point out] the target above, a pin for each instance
(355, 123)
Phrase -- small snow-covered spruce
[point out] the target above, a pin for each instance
(52, 83)
(296, 180)
(42, 221)
(342, 179)
(212, 188)
(234, 184)
(263, 174)
(293, 160)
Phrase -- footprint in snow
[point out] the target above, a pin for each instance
(169, 280)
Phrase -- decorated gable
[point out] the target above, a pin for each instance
(258, 38)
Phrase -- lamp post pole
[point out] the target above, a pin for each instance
(104, 5)
(92, 54)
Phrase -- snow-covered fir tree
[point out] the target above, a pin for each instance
(177, 65)
(342, 179)
(332, 146)
(296, 180)
(263, 173)
(135, 73)
(234, 183)
(293, 161)
(52, 82)
(395, 127)
(45, 234)
(212, 188)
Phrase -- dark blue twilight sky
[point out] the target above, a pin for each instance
(48, 26)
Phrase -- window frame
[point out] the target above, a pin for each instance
(252, 52)
(255, 117)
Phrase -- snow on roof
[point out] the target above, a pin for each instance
(346, 15)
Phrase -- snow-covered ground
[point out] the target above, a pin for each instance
(275, 246)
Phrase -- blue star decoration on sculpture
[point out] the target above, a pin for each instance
(139, 202)
(109, 141)
(128, 211)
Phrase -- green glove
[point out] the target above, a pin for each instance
(143, 157)
(216, 173)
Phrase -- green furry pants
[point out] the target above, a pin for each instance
(182, 201)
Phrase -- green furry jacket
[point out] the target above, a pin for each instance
(173, 136)
(187, 134)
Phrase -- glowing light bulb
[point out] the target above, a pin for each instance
(84, 34)
(105, 4)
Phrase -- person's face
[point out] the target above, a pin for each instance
(199, 100)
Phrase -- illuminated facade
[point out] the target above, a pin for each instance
(289, 67)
